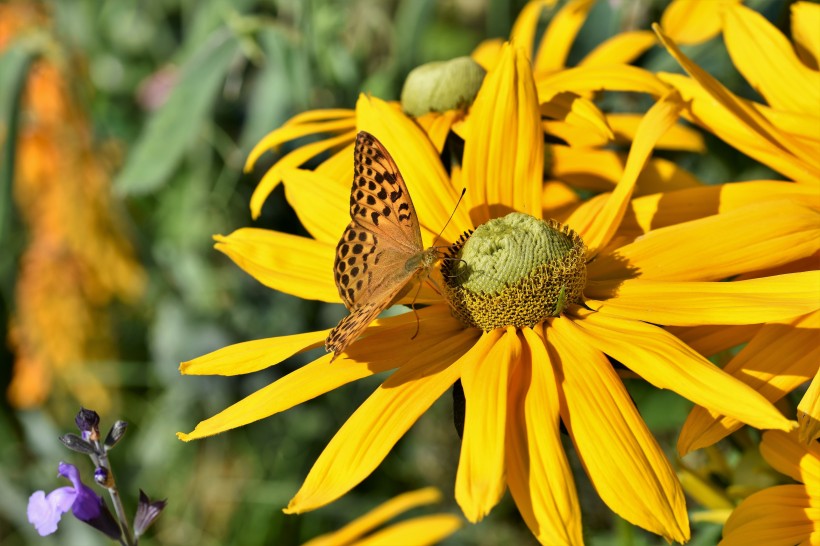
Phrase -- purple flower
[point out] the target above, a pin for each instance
(45, 511)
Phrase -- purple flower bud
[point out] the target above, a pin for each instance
(45, 511)
(103, 477)
(88, 421)
(147, 512)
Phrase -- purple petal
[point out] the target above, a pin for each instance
(71, 472)
(87, 505)
(44, 512)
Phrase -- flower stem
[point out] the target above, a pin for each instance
(128, 538)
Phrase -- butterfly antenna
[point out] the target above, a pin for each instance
(460, 197)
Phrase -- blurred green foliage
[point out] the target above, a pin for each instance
(184, 89)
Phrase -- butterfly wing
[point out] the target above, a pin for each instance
(383, 232)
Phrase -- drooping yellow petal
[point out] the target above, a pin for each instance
(675, 207)
(777, 516)
(374, 428)
(808, 411)
(623, 48)
(252, 356)
(693, 21)
(523, 30)
(296, 158)
(747, 239)
(753, 301)
(579, 112)
(805, 22)
(292, 264)
(586, 79)
(789, 456)
(538, 472)
(679, 137)
(481, 468)
(766, 59)
(320, 202)
(625, 464)
(378, 516)
(778, 359)
(506, 172)
(433, 196)
(655, 123)
(664, 361)
(560, 35)
(333, 121)
(420, 531)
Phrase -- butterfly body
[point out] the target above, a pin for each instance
(381, 250)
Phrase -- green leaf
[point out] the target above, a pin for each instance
(173, 128)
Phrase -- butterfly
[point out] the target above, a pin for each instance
(381, 250)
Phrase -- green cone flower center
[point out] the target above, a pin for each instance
(515, 271)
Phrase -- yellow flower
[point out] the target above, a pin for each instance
(783, 133)
(417, 531)
(783, 514)
(519, 382)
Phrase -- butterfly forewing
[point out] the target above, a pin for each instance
(371, 266)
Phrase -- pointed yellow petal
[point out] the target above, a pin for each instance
(420, 531)
(627, 466)
(777, 516)
(373, 429)
(657, 120)
(560, 35)
(623, 48)
(252, 356)
(504, 174)
(693, 21)
(778, 359)
(710, 340)
(295, 265)
(487, 53)
(480, 477)
(418, 161)
(808, 411)
(747, 239)
(296, 158)
(523, 31)
(538, 472)
(679, 137)
(320, 202)
(437, 125)
(664, 361)
(378, 516)
(586, 79)
(766, 59)
(579, 112)
(339, 121)
(805, 22)
(753, 301)
(790, 457)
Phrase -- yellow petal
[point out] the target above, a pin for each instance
(374, 428)
(766, 59)
(675, 207)
(289, 263)
(538, 472)
(378, 516)
(560, 35)
(523, 31)
(480, 477)
(625, 464)
(710, 340)
(778, 359)
(420, 531)
(693, 21)
(747, 239)
(418, 161)
(504, 174)
(437, 125)
(777, 516)
(808, 411)
(679, 137)
(252, 356)
(579, 112)
(805, 22)
(320, 202)
(293, 159)
(665, 362)
(334, 121)
(654, 124)
(790, 457)
(623, 48)
(753, 301)
(586, 79)
(487, 53)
